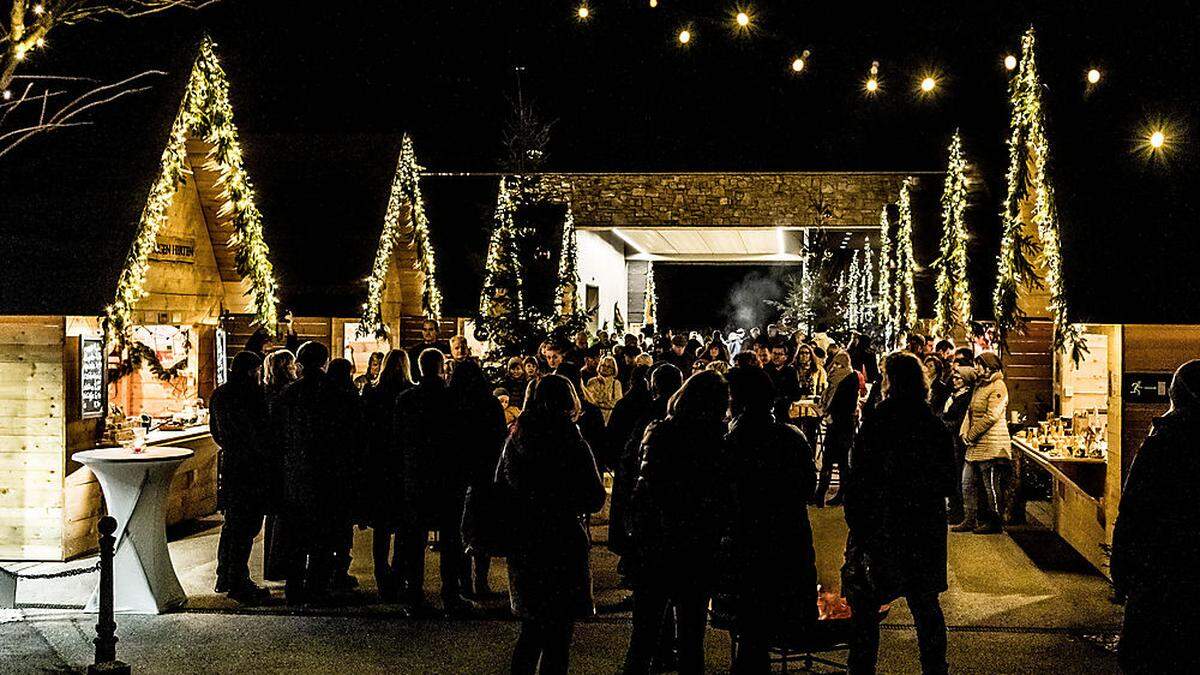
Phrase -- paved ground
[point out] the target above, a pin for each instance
(1020, 603)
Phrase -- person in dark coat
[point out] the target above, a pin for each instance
(430, 339)
(625, 415)
(773, 580)
(384, 513)
(480, 431)
(238, 421)
(678, 507)
(316, 421)
(962, 382)
(279, 372)
(840, 404)
(340, 373)
(901, 472)
(435, 476)
(786, 384)
(591, 418)
(548, 469)
(1156, 542)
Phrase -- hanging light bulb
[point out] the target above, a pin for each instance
(928, 84)
(743, 19)
(584, 12)
(6, 95)
(685, 36)
(1157, 140)
(799, 62)
(872, 83)
(39, 9)
(653, 4)
(1093, 76)
(1010, 62)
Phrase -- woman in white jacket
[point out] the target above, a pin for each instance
(604, 390)
(984, 433)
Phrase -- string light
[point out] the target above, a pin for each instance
(743, 19)
(20, 54)
(872, 84)
(583, 12)
(38, 9)
(6, 95)
(1010, 62)
(1157, 140)
(1093, 76)
(928, 84)
(41, 42)
(653, 4)
(800, 61)
(685, 36)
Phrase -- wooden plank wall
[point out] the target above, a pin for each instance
(1028, 366)
(32, 428)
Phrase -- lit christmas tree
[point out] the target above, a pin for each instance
(905, 308)
(953, 289)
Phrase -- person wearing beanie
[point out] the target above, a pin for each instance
(984, 432)
(238, 420)
(1155, 556)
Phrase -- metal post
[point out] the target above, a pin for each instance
(106, 625)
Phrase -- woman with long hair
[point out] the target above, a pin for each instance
(384, 510)
(549, 473)
(809, 371)
(279, 371)
(604, 390)
(678, 506)
(984, 432)
(900, 473)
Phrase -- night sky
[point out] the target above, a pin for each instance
(624, 96)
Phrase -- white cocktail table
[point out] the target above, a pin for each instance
(135, 488)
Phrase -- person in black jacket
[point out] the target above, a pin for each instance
(1156, 543)
(786, 382)
(435, 476)
(384, 513)
(962, 380)
(631, 407)
(591, 418)
(679, 502)
(548, 469)
(279, 371)
(316, 421)
(479, 436)
(773, 580)
(238, 423)
(901, 472)
(840, 403)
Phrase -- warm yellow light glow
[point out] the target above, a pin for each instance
(1157, 139)
(798, 65)
(743, 19)
(41, 42)
(872, 85)
(1093, 76)
(1010, 62)
(39, 9)
(584, 12)
(928, 84)
(20, 55)
(653, 4)
(685, 36)
(7, 94)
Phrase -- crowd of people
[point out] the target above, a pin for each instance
(712, 444)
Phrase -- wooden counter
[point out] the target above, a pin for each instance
(1077, 502)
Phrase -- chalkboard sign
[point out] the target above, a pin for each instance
(221, 356)
(1146, 387)
(91, 376)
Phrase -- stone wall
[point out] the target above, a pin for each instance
(772, 199)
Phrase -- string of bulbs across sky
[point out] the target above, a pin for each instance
(926, 84)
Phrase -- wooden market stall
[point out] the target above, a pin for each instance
(125, 339)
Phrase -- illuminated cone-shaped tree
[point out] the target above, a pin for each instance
(953, 289)
(405, 191)
(887, 270)
(651, 301)
(905, 306)
(1029, 182)
(501, 306)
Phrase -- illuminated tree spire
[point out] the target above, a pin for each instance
(953, 289)
(905, 308)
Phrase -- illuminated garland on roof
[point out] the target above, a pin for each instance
(405, 191)
(204, 114)
(1029, 168)
(953, 288)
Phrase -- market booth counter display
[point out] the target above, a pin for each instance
(1105, 406)
(137, 345)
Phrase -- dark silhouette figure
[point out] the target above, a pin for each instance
(384, 513)
(840, 403)
(1156, 543)
(550, 473)
(479, 436)
(435, 476)
(901, 472)
(239, 426)
(625, 415)
(678, 504)
(316, 421)
(772, 572)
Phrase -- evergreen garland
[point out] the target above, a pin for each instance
(651, 299)
(204, 114)
(1029, 169)
(905, 307)
(405, 190)
(887, 270)
(953, 287)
